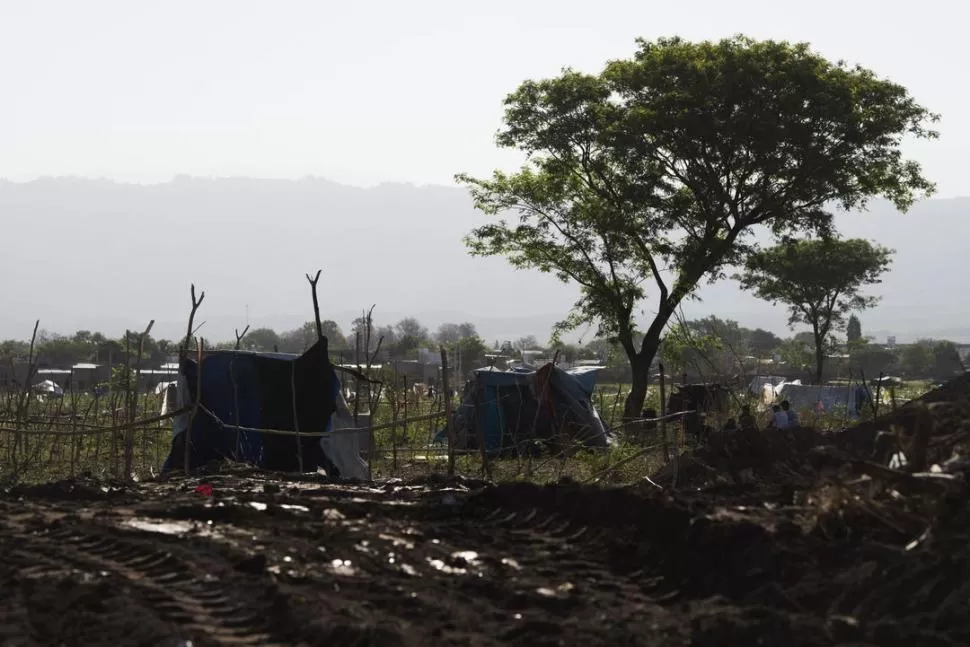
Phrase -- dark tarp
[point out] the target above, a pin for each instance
(256, 390)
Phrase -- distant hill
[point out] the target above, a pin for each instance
(101, 255)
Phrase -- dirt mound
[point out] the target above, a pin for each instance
(81, 488)
(783, 456)
(949, 406)
(807, 546)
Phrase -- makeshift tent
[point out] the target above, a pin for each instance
(758, 383)
(48, 387)
(508, 407)
(257, 391)
(849, 398)
(769, 392)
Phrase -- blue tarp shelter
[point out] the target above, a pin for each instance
(259, 391)
(509, 407)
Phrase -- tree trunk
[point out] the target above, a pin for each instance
(819, 355)
(640, 360)
(640, 365)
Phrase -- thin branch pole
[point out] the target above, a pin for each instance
(449, 423)
(133, 404)
(316, 303)
(663, 412)
(200, 346)
(239, 337)
(190, 330)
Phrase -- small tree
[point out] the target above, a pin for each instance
(872, 359)
(853, 331)
(917, 359)
(655, 172)
(819, 280)
(763, 343)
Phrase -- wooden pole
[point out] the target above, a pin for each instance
(663, 414)
(449, 423)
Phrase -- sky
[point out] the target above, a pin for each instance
(368, 92)
(372, 92)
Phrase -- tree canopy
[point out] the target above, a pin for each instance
(649, 176)
(820, 281)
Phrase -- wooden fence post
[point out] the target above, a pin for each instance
(449, 425)
(663, 414)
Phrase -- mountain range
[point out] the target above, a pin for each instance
(101, 255)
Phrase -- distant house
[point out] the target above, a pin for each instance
(80, 377)
(86, 376)
(416, 370)
(150, 378)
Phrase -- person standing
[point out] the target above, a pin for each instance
(779, 419)
(790, 413)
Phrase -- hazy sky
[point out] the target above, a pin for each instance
(364, 92)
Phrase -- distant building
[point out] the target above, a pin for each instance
(85, 376)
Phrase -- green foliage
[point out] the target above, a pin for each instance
(261, 339)
(872, 359)
(684, 347)
(796, 354)
(466, 352)
(763, 343)
(122, 378)
(819, 280)
(410, 335)
(450, 332)
(670, 158)
(928, 358)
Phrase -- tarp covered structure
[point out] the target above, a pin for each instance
(845, 399)
(509, 407)
(273, 391)
(758, 383)
(48, 387)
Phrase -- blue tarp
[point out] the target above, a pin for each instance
(504, 406)
(256, 390)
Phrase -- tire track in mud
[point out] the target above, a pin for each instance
(195, 602)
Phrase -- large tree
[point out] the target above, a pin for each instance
(449, 333)
(763, 342)
(820, 281)
(656, 170)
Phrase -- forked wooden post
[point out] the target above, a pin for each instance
(449, 425)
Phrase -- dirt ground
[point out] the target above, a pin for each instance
(786, 540)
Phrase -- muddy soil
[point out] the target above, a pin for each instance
(794, 544)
